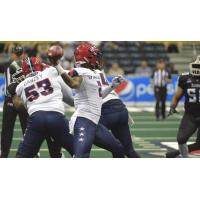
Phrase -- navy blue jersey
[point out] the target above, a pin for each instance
(191, 88)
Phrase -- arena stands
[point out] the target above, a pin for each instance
(127, 54)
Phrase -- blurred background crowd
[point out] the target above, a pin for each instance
(120, 57)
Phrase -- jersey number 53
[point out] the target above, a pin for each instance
(32, 93)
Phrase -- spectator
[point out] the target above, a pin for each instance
(143, 69)
(172, 69)
(67, 60)
(172, 48)
(115, 70)
(42, 49)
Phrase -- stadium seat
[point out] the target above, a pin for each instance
(150, 56)
(159, 48)
(129, 69)
(148, 48)
(162, 55)
(125, 63)
(133, 49)
(136, 62)
(109, 55)
(123, 55)
(135, 55)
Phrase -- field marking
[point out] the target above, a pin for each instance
(154, 129)
(135, 129)
(135, 138)
(97, 149)
(139, 122)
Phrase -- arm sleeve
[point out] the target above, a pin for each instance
(67, 92)
(152, 75)
(106, 91)
(169, 75)
(181, 82)
(12, 88)
(3, 67)
(19, 89)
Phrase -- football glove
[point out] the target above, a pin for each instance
(116, 81)
(172, 110)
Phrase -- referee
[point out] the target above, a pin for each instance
(9, 111)
(160, 78)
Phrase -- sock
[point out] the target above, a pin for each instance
(183, 148)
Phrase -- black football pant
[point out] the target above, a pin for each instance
(160, 94)
(184, 134)
(8, 123)
(188, 126)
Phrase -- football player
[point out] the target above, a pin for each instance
(43, 94)
(28, 65)
(189, 87)
(115, 117)
(88, 102)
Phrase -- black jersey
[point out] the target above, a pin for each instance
(191, 87)
(9, 68)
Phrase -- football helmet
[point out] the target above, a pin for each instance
(195, 67)
(31, 65)
(18, 50)
(87, 53)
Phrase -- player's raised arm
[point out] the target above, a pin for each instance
(73, 81)
(54, 55)
(115, 83)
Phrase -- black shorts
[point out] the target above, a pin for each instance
(188, 126)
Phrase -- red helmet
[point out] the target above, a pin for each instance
(88, 53)
(32, 64)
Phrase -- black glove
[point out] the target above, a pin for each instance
(172, 110)
(12, 88)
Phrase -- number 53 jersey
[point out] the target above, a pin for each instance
(43, 91)
(191, 88)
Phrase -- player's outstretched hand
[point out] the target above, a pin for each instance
(172, 110)
(117, 81)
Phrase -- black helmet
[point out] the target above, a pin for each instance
(18, 50)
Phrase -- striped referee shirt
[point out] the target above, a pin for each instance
(5, 68)
(159, 78)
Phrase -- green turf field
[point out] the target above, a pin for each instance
(151, 138)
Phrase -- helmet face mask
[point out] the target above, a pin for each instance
(195, 67)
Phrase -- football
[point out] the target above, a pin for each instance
(55, 52)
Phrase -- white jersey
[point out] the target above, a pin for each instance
(104, 83)
(87, 99)
(44, 92)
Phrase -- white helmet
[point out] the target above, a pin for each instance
(195, 67)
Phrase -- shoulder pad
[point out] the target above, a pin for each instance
(185, 73)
